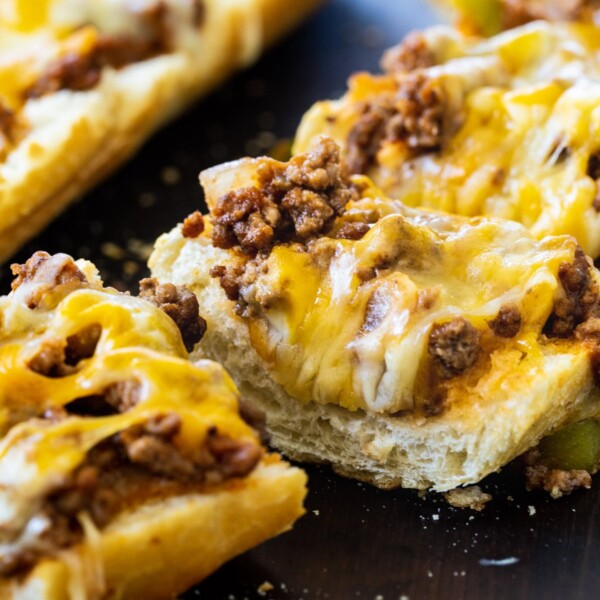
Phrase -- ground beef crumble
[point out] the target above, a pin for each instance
(368, 134)
(245, 218)
(150, 446)
(420, 104)
(292, 202)
(82, 71)
(411, 54)
(229, 278)
(50, 361)
(507, 322)
(557, 482)
(454, 347)
(237, 282)
(46, 275)
(414, 117)
(123, 395)
(580, 300)
(353, 230)
(193, 225)
(180, 304)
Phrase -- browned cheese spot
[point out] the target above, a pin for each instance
(580, 300)
(296, 201)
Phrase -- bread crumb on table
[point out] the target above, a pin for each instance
(264, 587)
(469, 497)
(170, 176)
(112, 250)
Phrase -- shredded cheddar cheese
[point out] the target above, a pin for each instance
(348, 322)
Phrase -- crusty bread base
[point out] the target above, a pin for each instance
(510, 411)
(79, 138)
(163, 548)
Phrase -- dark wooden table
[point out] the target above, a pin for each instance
(355, 542)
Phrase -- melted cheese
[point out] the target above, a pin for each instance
(525, 112)
(25, 15)
(337, 339)
(138, 343)
(348, 322)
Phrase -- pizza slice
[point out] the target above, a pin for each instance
(404, 347)
(503, 127)
(84, 82)
(126, 471)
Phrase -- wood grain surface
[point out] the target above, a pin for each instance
(355, 542)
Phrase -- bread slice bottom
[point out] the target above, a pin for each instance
(516, 403)
(162, 548)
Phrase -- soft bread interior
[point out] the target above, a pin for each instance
(166, 546)
(475, 437)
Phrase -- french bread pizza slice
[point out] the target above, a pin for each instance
(405, 347)
(502, 127)
(126, 471)
(84, 82)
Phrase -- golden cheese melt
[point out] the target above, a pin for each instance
(348, 322)
(138, 343)
(520, 136)
(24, 15)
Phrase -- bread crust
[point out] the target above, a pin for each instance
(163, 548)
(82, 137)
